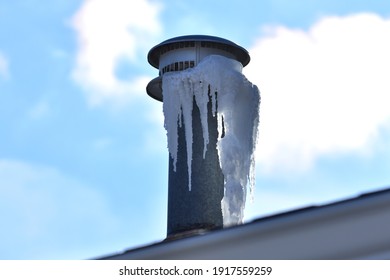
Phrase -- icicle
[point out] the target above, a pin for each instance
(202, 100)
(186, 97)
(172, 115)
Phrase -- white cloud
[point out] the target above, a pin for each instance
(4, 68)
(324, 91)
(271, 201)
(108, 32)
(50, 214)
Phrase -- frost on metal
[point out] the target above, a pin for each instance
(236, 102)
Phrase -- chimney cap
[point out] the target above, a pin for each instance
(240, 53)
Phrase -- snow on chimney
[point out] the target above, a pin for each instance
(211, 116)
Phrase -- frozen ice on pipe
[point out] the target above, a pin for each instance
(235, 101)
(238, 109)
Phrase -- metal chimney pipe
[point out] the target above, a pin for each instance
(199, 209)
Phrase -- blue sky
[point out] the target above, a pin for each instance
(83, 157)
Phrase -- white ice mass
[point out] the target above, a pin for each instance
(236, 102)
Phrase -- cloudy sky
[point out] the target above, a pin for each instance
(83, 157)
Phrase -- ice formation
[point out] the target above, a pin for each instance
(236, 102)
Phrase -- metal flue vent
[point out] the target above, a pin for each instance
(180, 53)
(195, 181)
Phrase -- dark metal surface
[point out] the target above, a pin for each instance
(240, 53)
(154, 89)
(199, 208)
